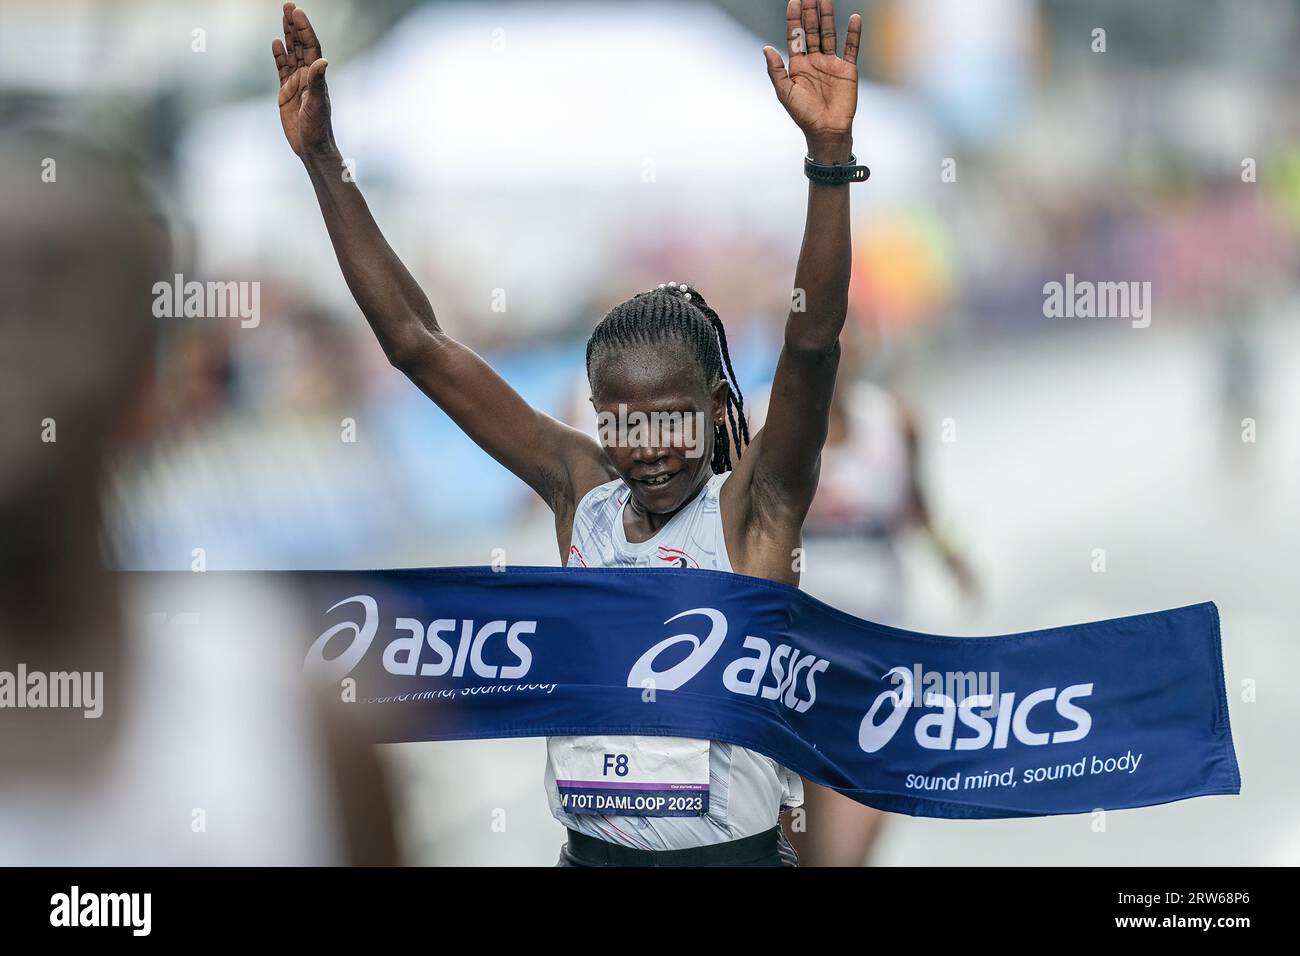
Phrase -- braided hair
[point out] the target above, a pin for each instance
(676, 313)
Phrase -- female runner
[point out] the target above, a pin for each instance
(728, 502)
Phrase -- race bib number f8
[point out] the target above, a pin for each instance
(631, 776)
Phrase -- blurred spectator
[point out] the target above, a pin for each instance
(164, 723)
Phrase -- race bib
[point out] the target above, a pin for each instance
(631, 776)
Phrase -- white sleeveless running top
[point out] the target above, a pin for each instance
(746, 790)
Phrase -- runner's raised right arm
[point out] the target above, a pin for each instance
(558, 462)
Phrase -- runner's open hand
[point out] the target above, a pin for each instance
(820, 89)
(304, 98)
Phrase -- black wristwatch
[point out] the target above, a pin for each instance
(839, 174)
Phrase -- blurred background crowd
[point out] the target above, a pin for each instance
(534, 163)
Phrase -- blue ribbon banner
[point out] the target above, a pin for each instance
(1122, 713)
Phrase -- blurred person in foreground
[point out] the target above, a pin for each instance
(869, 496)
(141, 723)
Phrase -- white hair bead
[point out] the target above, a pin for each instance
(688, 297)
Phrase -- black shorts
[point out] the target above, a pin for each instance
(769, 848)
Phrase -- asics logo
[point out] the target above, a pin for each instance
(643, 673)
(873, 736)
(792, 673)
(995, 719)
(445, 647)
(336, 668)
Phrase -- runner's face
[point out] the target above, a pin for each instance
(655, 417)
